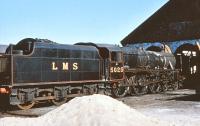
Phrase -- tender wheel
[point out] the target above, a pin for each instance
(26, 106)
(120, 91)
(59, 102)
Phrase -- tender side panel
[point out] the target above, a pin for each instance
(56, 65)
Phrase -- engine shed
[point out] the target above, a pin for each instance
(174, 28)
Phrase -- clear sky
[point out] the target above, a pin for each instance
(71, 21)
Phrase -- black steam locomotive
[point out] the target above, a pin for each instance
(148, 72)
(38, 70)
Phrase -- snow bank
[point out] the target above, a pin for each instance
(95, 110)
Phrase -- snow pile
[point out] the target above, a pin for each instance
(95, 110)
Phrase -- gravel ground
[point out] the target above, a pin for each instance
(180, 106)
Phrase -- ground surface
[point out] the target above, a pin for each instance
(180, 106)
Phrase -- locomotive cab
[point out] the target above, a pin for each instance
(116, 65)
(112, 61)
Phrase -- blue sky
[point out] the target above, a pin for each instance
(71, 21)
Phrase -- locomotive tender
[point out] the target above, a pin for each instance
(38, 70)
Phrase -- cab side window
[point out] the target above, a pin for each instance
(116, 56)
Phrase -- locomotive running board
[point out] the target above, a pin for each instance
(52, 97)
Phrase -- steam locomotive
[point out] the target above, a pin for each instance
(39, 70)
